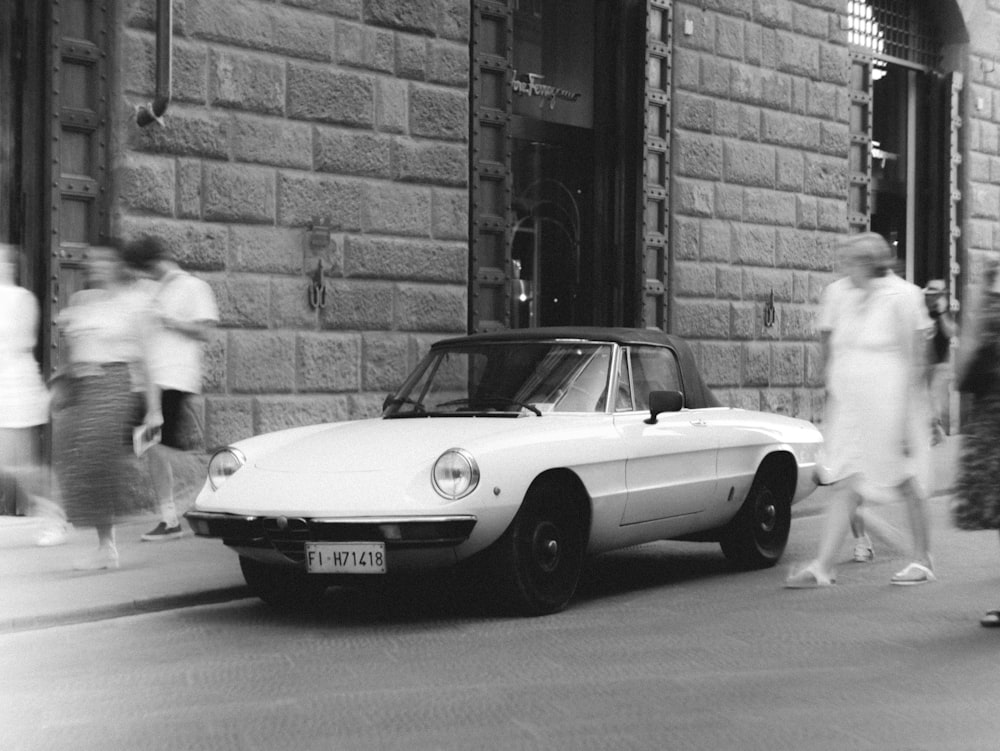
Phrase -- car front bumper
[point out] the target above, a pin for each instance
(263, 536)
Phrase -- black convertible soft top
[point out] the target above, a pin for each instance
(696, 393)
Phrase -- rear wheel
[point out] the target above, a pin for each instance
(282, 587)
(539, 558)
(758, 534)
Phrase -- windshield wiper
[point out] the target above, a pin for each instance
(418, 407)
(489, 400)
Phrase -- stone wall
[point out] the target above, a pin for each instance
(760, 143)
(353, 112)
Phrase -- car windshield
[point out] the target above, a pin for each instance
(507, 379)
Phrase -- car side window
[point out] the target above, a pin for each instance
(653, 369)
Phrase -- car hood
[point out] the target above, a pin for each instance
(381, 445)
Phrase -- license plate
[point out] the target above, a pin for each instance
(345, 557)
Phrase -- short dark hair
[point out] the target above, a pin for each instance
(144, 252)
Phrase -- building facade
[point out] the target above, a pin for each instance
(357, 178)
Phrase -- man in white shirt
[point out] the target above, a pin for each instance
(185, 310)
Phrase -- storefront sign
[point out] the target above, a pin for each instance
(530, 84)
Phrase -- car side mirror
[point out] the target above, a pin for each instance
(663, 401)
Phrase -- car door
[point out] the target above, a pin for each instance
(671, 466)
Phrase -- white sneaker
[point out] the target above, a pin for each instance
(106, 556)
(863, 550)
(52, 536)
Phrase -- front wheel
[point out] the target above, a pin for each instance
(538, 560)
(282, 587)
(757, 536)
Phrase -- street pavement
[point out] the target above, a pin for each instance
(40, 589)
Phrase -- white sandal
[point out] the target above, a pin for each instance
(914, 573)
(809, 577)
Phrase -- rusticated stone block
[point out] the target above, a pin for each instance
(697, 113)
(343, 8)
(304, 197)
(455, 23)
(449, 214)
(826, 176)
(695, 197)
(358, 305)
(261, 362)
(263, 26)
(348, 152)
(448, 64)
(750, 164)
(278, 142)
(268, 250)
(694, 280)
(330, 96)
(776, 14)
(244, 301)
(436, 163)
(833, 64)
(196, 246)
(247, 82)
(361, 46)
(290, 308)
(789, 165)
(686, 238)
(439, 113)
(812, 22)
(799, 322)
(189, 188)
(800, 287)
(365, 406)
(214, 366)
(188, 69)
(237, 193)
(394, 209)
(806, 212)
(716, 241)
(753, 245)
(719, 362)
(702, 319)
(729, 35)
(798, 55)
(146, 184)
(787, 364)
(702, 36)
(770, 207)
(729, 201)
(984, 202)
(778, 401)
(716, 74)
(392, 106)
(227, 419)
(687, 69)
(791, 131)
(834, 139)
(413, 15)
(831, 214)
(728, 282)
(411, 56)
(432, 308)
(383, 258)
(281, 413)
(699, 156)
(747, 320)
(386, 361)
(759, 284)
(189, 133)
(756, 364)
(329, 362)
(802, 250)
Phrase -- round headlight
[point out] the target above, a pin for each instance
(455, 474)
(224, 464)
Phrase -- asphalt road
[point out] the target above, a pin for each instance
(664, 648)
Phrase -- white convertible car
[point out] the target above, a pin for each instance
(521, 451)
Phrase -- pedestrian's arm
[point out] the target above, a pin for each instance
(191, 329)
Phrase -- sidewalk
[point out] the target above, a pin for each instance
(39, 589)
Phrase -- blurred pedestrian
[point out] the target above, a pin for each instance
(184, 311)
(939, 355)
(976, 504)
(105, 328)
(873, 332)
(24, 407)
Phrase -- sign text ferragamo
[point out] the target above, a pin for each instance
(530, 84)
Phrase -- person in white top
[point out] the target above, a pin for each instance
(25, 485)
(185, 310)
(874, 329)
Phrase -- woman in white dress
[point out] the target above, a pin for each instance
(24, 404)
(873, 327)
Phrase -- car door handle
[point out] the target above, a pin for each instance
(699, 423)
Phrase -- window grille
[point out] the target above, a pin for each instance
(900, 30)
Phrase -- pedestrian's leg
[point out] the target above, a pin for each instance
(843, 506)
(162, 472)
(921, 570)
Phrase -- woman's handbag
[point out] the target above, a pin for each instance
(980, 374)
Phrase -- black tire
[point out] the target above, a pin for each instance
(757, 536)
(283, 587)
(538, 560)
